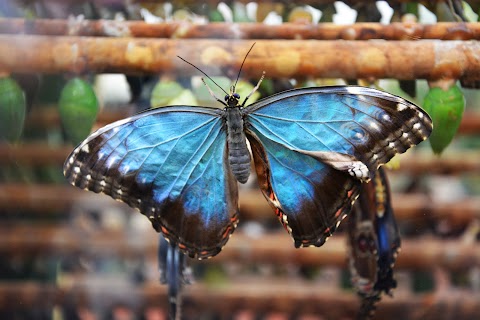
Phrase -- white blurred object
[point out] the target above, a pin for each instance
(112, 89)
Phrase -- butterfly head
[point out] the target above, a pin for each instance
(232, 98)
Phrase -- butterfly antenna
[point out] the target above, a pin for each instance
(239, 71)
(206, 75)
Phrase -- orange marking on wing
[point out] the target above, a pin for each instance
(338, 213)
(164, 230)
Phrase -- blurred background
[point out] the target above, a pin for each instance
(69, 67)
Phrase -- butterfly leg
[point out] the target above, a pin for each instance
(254, 89)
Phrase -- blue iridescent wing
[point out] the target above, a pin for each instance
(312, 147)
(170, 163)
(309, 197)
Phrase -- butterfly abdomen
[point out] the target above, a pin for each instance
(238, 154)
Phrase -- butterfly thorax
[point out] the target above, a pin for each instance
(238, 154)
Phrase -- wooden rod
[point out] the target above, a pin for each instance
(293, 31)
(49, 117)
(419, 209)
(259, 296)
(279, 58)
(291, 297)
(269, 248)
(416, 163)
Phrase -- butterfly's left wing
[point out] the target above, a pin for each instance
(170, 163)
(313, 146)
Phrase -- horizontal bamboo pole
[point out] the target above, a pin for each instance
(409, 208)
(46, 117)
(294, 31)
(416, 163)
(429, 59)
(421, 253)
(292, 298)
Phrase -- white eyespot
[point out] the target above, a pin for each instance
(119, 192)
(420, 115)
(103, 183)
(416, 126)
(401, 106)
(88, 177)
(391, 145)
(76, 169)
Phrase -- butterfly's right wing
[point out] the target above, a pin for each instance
(170, 163)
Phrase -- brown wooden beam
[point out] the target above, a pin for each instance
(412, 208)
(279, 58)
(293, 31)
(257, 295)
(40, 154)
(271, 248)
(49, 117)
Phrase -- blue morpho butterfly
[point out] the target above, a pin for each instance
(374, 242)
(312, 148)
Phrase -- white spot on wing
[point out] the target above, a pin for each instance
(76, 169)
(401, 106)
(355, 90)
(111, 161)
(86, 148)
(374, 125)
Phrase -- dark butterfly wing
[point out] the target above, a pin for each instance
(173, 272)
(363, 243)
(312, 146)
(387, 232)
(374, 242)
(170, 163)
